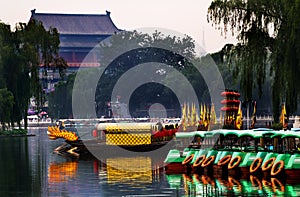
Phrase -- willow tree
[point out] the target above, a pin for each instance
(267, 32)
(6, 105)
(9, 72)
(24, 53)
(38, 50)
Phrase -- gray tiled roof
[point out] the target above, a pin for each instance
(78, 23)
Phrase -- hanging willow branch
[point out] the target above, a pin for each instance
(268, 33)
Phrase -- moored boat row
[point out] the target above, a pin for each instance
(238, 152)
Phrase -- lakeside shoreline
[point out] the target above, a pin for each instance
(16, 135)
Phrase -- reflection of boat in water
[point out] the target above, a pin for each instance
(204, 185)
(62, 172)
(123, 169)
(125, 172)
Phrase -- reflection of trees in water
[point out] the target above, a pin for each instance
(20, 167)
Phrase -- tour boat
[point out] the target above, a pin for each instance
(114, 138)
(186, 145)
(241, 152)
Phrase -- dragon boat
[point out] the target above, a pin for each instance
(107, 139)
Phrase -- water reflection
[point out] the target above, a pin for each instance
(203, 185)
(62, 172)
(132, 176)
(129, 170)
(28, 167)
(21, 166)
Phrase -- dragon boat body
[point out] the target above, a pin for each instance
(110, 139)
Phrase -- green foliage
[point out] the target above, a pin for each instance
(22, 52)
(156, 48)
(13, 132)
(230, 81)
(39, 47)
(268, 33)
(60, 101)
(277, 126)
(6, 106)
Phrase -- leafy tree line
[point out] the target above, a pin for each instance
(143, 52)
(149, 93)
(60, 101)
(22, 53)
(269, 46)
(157, 49)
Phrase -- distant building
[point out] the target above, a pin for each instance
(79, 33)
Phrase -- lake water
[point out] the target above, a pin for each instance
(28, 167)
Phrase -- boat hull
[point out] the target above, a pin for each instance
(220, 170)
(245, 170)
(176, 168)
(239, 172)
(291, 174)
(101, 151)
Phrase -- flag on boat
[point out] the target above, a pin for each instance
(283, 117)
(183, 117)
(194, 115)
(197, 117)
(201, 113)
(239, 118)
(221, 118)
(213, 116)
(253, 115)
(188, 115)
(205, 116)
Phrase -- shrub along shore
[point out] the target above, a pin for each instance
(14, 132)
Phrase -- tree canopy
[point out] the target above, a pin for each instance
(23, 52)
(159, 49)
(269, 43)
(140, 48)
(6, 106)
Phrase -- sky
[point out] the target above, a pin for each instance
(185, 16)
